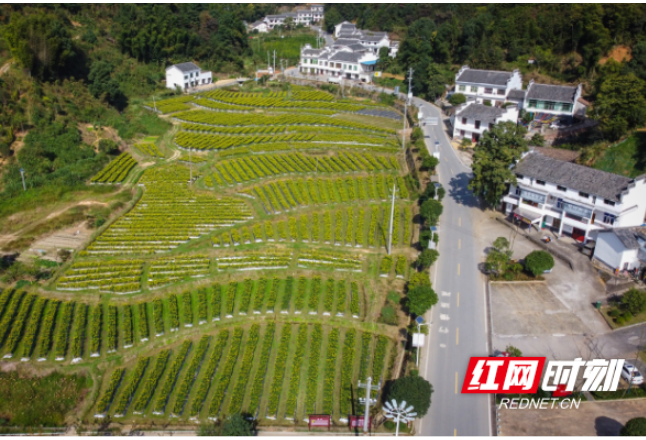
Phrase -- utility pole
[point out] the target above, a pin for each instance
(390, 229)
(368, 401)
(410, 94)
(268, 61)
(22, 174)
(274, 62)
(190, 165)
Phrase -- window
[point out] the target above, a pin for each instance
(533, 103)
(185, 76)
(477, 124)
(501, 91)
(474, 89)
(608, 219)
(488, 90)
(520, 176)
(191, 75)
(584, 195)
(609, 202)
(356, 68)
(540, 182)
(464, 121)
(566, 107)
(462, 88)
(314, 61)
(462, 133)
(561, 188)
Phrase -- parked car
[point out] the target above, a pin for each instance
(632, 375)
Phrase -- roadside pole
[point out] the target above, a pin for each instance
(366, 415)
(390, 228)
(22, 174)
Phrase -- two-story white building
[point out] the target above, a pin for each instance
(347, 34)
(471, 120)
(550, 102)
(487, 85)
(186, 75)
(572, 199)
(341, 63)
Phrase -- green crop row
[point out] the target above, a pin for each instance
(205, 384)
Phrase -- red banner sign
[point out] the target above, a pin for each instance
(318, 421)
(357, 422)
(503, 375)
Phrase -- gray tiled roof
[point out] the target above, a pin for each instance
(516, 94)
(186, 67)
(348, 57)
(372, 38)
(484, 77)
(345, 41)
(629, 236)
(312, 52)
(480, 112)
(570, 175)
(547, 92)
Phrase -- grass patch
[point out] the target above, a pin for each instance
(39, 401)
(632, 321)
(635, 392)
(288, 47)
(626, 159)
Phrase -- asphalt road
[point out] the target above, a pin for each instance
(458, 322)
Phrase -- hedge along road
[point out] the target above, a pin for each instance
(458, 322)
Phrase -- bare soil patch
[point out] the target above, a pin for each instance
(618, 53)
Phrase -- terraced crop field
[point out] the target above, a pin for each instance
(248, 278)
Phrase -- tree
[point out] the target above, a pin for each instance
(620, 104)
(513, 351)
(431, 210)
(634, 301)
(331, 19)
(498, 258)
(497, 150)
(457, 99)
(40, 43)
(427, 258)
(429, 163)
(233, 426)
(102, 85)
(418, 279)
(420, 299)
(634, 427)
(537, 262)
(414, 390)
(289, 23)
(537, 140)
(384, 58)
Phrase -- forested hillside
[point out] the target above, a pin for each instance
(65, 65)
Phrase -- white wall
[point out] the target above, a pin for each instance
(635, 196)
(611, 251)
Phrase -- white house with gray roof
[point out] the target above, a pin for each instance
(348, 34)
(555, 101)
(622, 248)
(471, 120)
(572, 199)
(487, 85)
(338, 62)
(186, 75)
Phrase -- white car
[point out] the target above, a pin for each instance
(632, 375)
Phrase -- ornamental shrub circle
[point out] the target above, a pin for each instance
(537, 262)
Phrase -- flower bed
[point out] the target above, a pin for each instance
(205, 383)
(258, 381)
(336, 261)
(189, 377)
(131, 387)
(171, 378)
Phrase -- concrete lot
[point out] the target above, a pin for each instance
(530, 309)
(591, 418)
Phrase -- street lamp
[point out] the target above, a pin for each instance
(399, 412)
(418, 339)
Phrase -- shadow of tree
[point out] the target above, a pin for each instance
(460, 192)
(606, 426)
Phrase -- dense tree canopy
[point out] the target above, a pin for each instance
(498, 148)
(414, 390)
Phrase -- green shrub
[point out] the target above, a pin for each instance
(634, 427)
(457, 99)
(537, 262)
(634, 301)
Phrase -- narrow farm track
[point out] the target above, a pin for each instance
(250, 280)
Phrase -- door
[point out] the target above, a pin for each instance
(578, 234)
